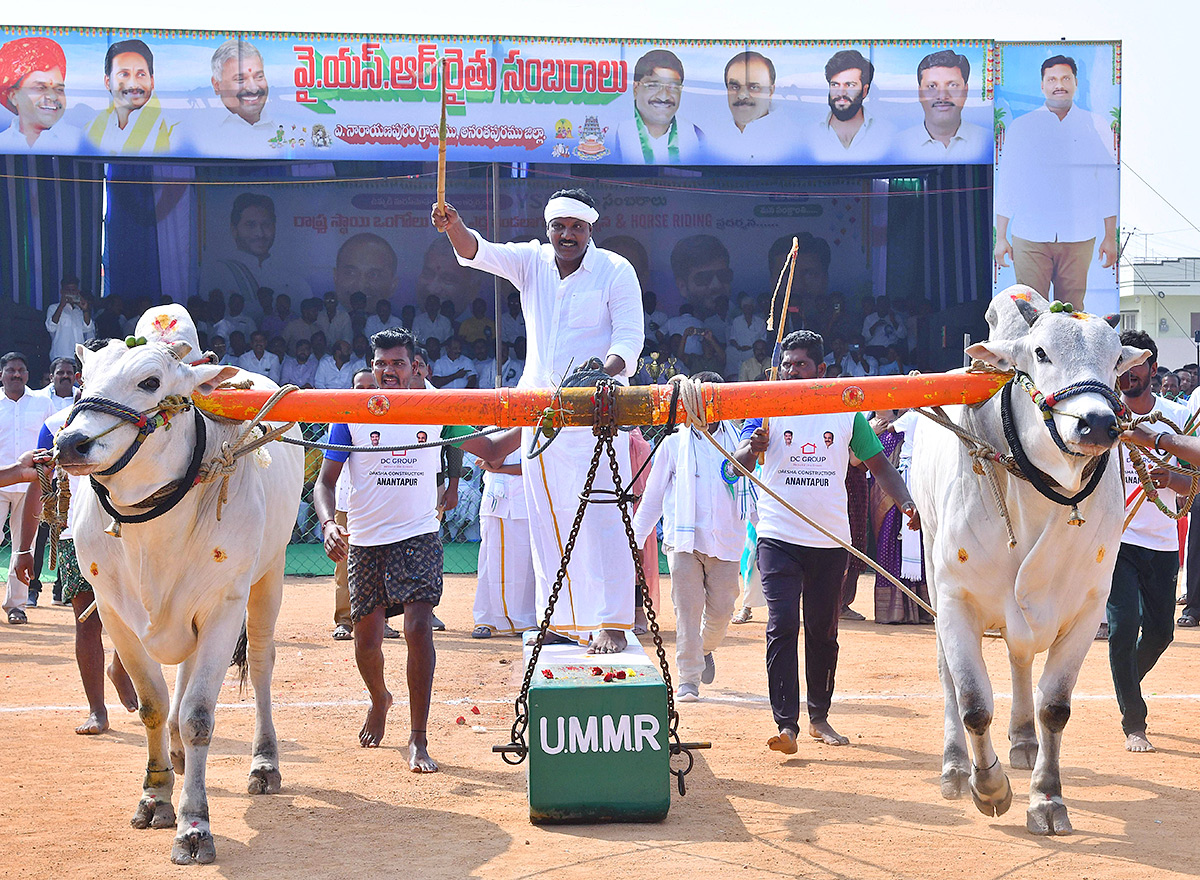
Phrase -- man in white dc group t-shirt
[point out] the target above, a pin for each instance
(391, 541)
(579, 302)
(805, 462)
(1141, 605)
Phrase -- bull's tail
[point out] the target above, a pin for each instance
(240, 659)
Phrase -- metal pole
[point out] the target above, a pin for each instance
(496, 278)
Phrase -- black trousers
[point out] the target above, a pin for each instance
(1192, 579)
(1141, 623)
(792, 574)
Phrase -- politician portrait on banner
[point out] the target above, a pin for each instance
(1057, 193)
(33, 73)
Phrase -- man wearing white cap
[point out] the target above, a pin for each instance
(579, 301)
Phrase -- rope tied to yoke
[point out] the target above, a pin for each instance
(691, 396)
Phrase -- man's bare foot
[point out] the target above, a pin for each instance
(126, 692)
(1134, 742)
(608, 641)
(784, 741)
(418, 754)
(371, 734)
(641, 623)
(97, 722)
(826, 734)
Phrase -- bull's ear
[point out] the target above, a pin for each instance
(999, 353)
(209, 376)
(1131, 357)
(82, 353)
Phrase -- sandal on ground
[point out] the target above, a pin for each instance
(1187, 620)
(17, 616)
(343, 633)
(438, 626)
(389, 633)
(481, 632)
(743, 615)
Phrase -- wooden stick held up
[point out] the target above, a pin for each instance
(790, 265)
(441, 167)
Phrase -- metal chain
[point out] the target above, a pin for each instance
(521, 721)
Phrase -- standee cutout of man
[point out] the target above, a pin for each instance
(1056, 187)
(579, 302)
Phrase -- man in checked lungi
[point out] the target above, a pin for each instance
(391, 540)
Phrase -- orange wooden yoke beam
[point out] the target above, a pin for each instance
(636, 405)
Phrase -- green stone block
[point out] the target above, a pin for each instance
(598, 751)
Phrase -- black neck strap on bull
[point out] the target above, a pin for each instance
(1036, 478)
(1045, 402)
(176, 490)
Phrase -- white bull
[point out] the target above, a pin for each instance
(1047, 593)
(176, 588)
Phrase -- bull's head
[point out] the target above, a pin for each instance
(137, 378)
(1061, 349)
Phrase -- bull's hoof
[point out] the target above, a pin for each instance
(1023, 755)
(195, 847)
(995, 802)
(153, 813)
(1048, 818)
(954, 782)
(264, 780)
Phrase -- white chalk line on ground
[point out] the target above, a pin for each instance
(726, 699)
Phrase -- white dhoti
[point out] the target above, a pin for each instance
(504, 594)
(597, 592)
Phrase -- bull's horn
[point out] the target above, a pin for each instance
(1114, 321)
(1028, 310)
(179, 349)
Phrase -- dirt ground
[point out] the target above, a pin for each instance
(869, 810)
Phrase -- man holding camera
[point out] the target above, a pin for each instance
(70, 322)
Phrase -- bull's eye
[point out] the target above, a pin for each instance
(1041, 355)
(150, 384)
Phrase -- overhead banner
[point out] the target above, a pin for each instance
(287, 96)
(685, 243)
(1058, 135)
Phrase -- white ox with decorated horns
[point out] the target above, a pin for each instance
(174, 582)
(1062, 494)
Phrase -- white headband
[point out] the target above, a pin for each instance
(565, 206)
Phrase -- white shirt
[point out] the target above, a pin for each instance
(767, 140)
(268, 365)
(21, 421)
(70, 330)
(852, 368)
(1057, 179)
(511, 328)
(629, 143)
(225, 327)
(447, 366)
(486, 371)
(1150, 527)
(743, 333)
(504, 494)
(970, 144)
(114, 139)
(330, 375)
(656, 322)
(870, 143)
(424, 327)
(59, 138)
(59, 403)
(230, 135)
(375, 324)
(593, 312)
(681, 324)
(242, 272)
(719, 529)
(299, 374)
(809, 475)
(337, 327)
(510, 375)
(393, 495)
